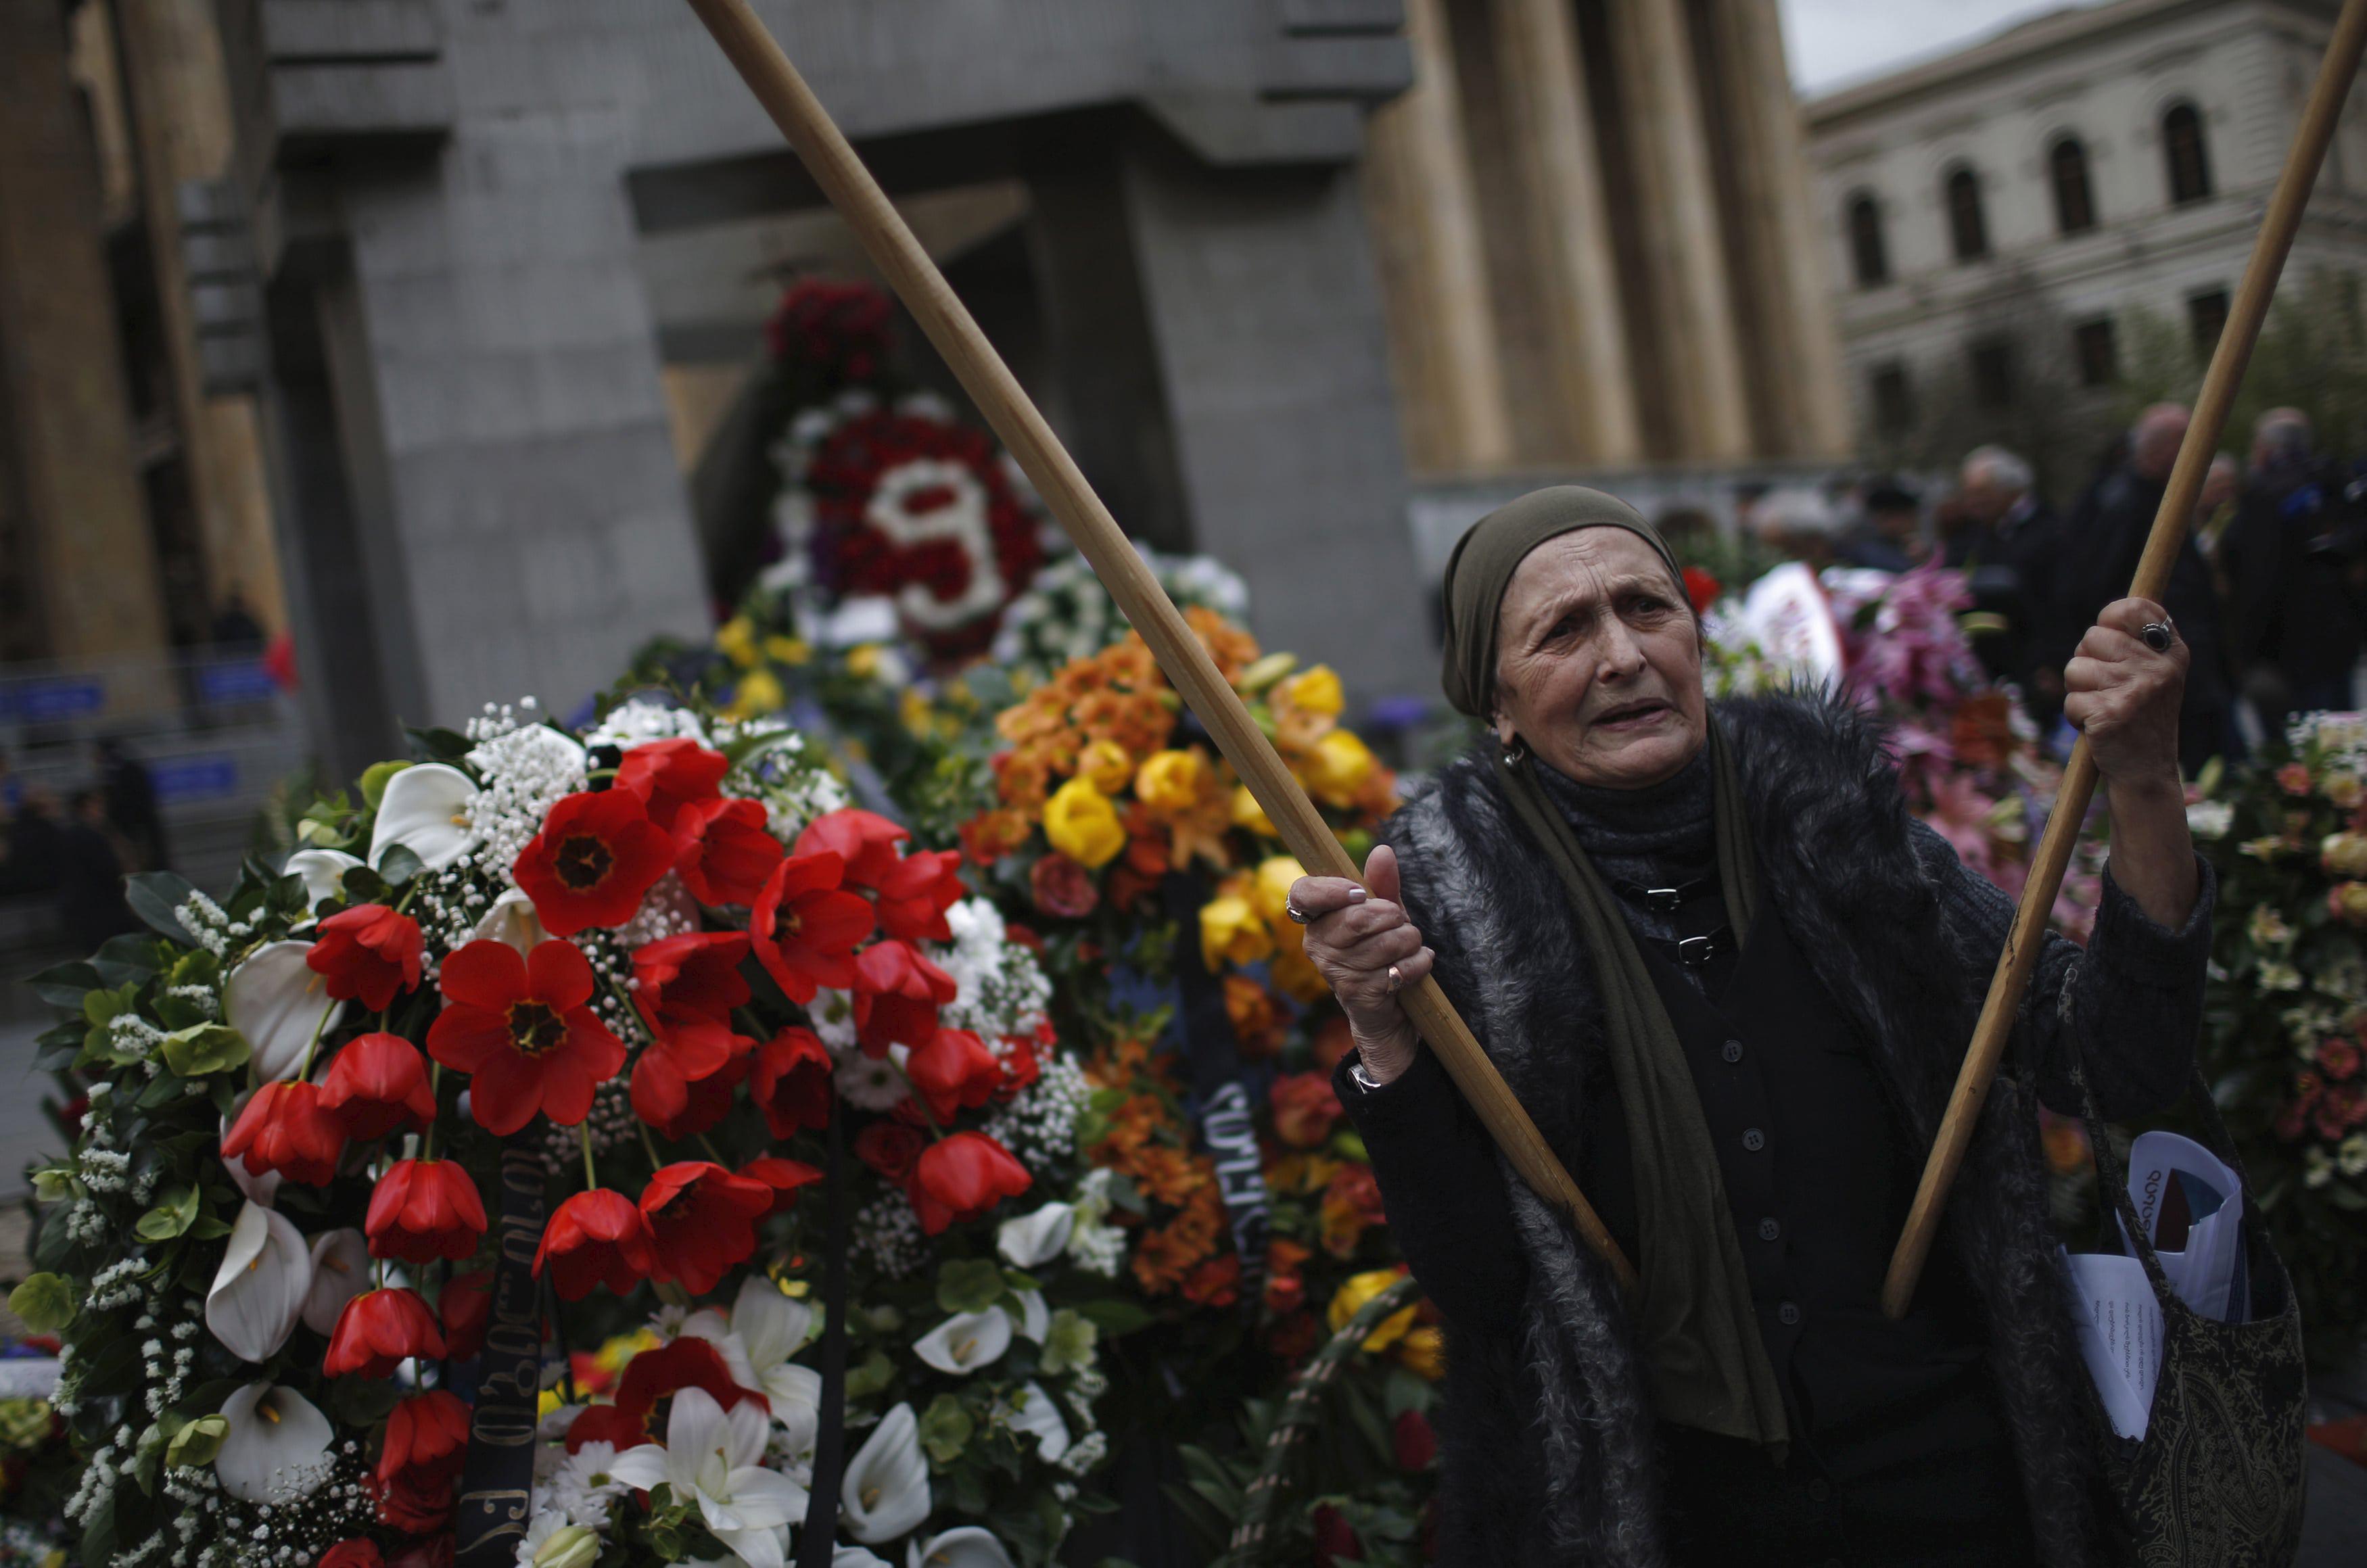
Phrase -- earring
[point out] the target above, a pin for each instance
(1516, 754)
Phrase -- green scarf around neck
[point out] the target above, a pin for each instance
(1705, 1363)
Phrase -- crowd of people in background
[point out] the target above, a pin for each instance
(77, 855)
(2268, 589)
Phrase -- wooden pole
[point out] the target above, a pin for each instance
(2220, 382)
(899, 256)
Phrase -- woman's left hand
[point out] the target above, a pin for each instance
(2124, 696)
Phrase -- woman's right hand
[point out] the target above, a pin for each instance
(1367, 950)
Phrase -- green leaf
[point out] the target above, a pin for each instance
(969, 1284)
(45, 1301)
(154, 896)
(100, 1009)
(374, 781)
(440, 745)
(204, 1049)
(1115, 1318)
(198, 1442)
(170, 1218)
(399, 864)
(62, 986)
(945, 1428)
(126, 960)
(875, 1374)
(363, 1401)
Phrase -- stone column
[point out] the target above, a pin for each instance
(181, 120)
(1424, 218)
(61, 362)
(1552, 136)
(1682, 243)
(1804, 411)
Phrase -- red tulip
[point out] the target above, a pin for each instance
(792, 1083)
(596, 1237)
(353, 1553)
(435, 1552)
(426, 1438)
(466, 1306)
(686, 987)
(378, 1331)
(369, 951)
(596, 857)
(416, 1509)
(805, 926)
(955, 1069)
(667, 775)
(1415, 1443)
(378, 1085)
(702, 1221)
(285, 1128)
(961, 1178)
(865, 840)
(891, 1148)
(425, 1209)
(784, 1177)
(897, 995)
(915, 896)
(679, 1107)
(650, 1379)
(722, 851)
(521, 1028)
(1334, 1539)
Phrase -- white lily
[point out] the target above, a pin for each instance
(966, 1341)
(341, 1263)
(886, 1492)
(1035, 1316)
(756, 1342)
(1033, 1240)
(968, 1547)
(1040, 1419)
(716, 1456)
(258, 1293)
(280, 1005)
(276, 1449)
(425, 809)
(324, 871)
(513, 919)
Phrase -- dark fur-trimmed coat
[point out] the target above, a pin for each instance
(1546, 1435)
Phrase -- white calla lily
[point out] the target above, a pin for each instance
(966, 1341)
(968, 1547)
(1033, 1240)
(1035, 1316)
(844, 1556)
(425, 809)
(280, 1005)
(886, 1492)
(1040, 1419)
(258, 1293)
(276, 1449)
(324, 871)
(715, 1457)
(255, 1189)
(341, 1265)
(513, 919)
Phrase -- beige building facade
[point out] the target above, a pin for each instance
(1596, 242)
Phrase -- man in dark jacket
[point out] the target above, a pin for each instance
(2293, 566)
(2102, 545)
(1730, 977)
(2007, 547)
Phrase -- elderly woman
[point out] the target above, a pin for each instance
(1731, 979)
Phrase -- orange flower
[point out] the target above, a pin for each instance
(1232, 648)
(1171, 1175)
(1144, 723)
(1217, 1283)
(1351, 1204)
(1304, 1108)
(1256, 1026)
(1129, 664)
(1333, 1040)
(1982, 732)
(990, 835)
(1285, 1288)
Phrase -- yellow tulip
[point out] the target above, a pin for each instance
(863, 660)
(737, 639)
(1229, 928)
(1355, 1292)
(1169, 782)
(1248, 814)
(787, 649)
(1337, 768)
(914, 710)
(1271, 892)
(1105, 762)
(759, 693)
(1082, 825)
(1423, 1352)
(1317, 690)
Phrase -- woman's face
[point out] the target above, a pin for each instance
(1598, 661)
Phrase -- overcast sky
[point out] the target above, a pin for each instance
(1832, 41)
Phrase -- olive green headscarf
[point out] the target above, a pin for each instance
(1482, 565)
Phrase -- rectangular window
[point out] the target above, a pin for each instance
(2095, 353)
(2206, 317)
(1992, 373)
(1892, 399)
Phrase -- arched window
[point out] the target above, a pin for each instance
(2182, 150)
(2075, 209)
(1966, 225)
(1868, 251)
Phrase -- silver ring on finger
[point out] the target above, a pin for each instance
(2160, 635)
(1297, 915)
(1396, 978)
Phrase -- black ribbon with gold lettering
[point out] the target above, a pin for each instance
(497, 1477)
